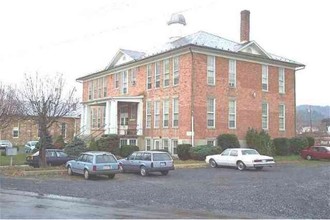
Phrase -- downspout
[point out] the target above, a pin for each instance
(295, 102)
(192, 98)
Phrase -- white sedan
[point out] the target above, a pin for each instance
(241, 158)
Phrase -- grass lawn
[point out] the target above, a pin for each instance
(19, 159)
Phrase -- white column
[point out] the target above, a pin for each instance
(107, 117)
(87, 122)
(140, 118)
(82, 120)
(113, 117)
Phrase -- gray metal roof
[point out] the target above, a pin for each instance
(136, 55)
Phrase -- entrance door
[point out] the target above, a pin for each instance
(123, 120)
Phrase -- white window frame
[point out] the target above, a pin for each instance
(174, 146)
(175, 112)
(155, 144)
(166, 113)
(149, 76)
(210, 140)
(265, 116)
(116, 80)
(281, 116)
(90, 90)
(65, 129)
(148, 114)
(210, 112)
(166, 75)
(168, 145)
(156, 114)
(232, 114)
(281, 80)
(105, 86)
(148, 144)
(133, 76)
(264, 78)
(210, 70)
(157, 74)
(15, 129)
(176, 73)
(232, 73)
(124, 83)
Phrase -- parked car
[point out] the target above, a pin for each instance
(54, 157)
(144, 162)
(30, 146)
(241, 158)
(5, 144)
(316, 152)
(94, 163)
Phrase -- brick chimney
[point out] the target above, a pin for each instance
(245, 26)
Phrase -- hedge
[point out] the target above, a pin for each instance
(297, 144)
(281, 146)
(127, 150)
(200, 152)
(228, 141)
(183, 151)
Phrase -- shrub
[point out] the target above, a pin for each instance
(200, 152)
(76, 147)
(260, 141)
(183, 151)
(228, 141)
(59, 142)
(92, 146)
(281, 146)
(126, 150)
(109, 143)
(297, 144)
(311, 141)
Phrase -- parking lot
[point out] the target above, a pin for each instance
(283, 191)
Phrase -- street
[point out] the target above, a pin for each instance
(283, 191)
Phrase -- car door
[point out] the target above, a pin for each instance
(222, 159)
(232, 158)
(51, 157)
(129, 162)
(79, 165)
(137, 162)
(62, 157)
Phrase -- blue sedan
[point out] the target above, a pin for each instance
(94, 163)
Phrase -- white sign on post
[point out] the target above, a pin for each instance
(11, 151)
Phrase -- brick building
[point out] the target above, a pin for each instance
(190, 90)
(22, 130)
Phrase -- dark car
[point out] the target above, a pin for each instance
(316, 152)
(145, 162)
(54, 157)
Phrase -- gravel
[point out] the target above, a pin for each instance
(283, 191)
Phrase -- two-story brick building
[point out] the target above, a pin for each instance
(190, 90)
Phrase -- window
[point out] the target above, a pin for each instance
(281, 81)
(100, 87)
(133, 76)
(95, 89)
(281, 116)
(105, 86)
(232, 114)
(98, 117)
(165, 144)
(15, 132)
(63, 129)
(264, 78)
(233, 153)
(148, 144)
(232, 73)
(175, 112)
(265, 116)
(157, 75)
(210, 70)
(166, 112)
(124, 82)
(132, 142)
(90, 90)
(175, 146)
(148, 114)
(156, 114)
(175, 71)
(149, 77)
(166, 80)
(94, 116)
(210, 143)
(156, 145)
(211, 113)
(116, 80)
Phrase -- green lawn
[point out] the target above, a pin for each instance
(19, 159)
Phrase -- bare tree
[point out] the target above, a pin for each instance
(44, 101)
(8, 105)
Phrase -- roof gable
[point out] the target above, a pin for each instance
(125, 56)
(253, 48)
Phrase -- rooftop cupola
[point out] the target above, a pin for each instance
(176, 24)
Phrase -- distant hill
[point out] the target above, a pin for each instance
(318, 114)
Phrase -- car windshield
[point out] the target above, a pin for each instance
(161, 156)
(105, 158)
(4, 142)
(250, 152)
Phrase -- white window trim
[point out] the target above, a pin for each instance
(176, 72)
(148, 114)
(229, 114)
(15, 129)
(157, 73)
(281, 84)
(156, 113)
(207, 71)
(166, 112)
(210, 112)
(173, 112)
(283, 117)
(149, 76)
(232, 72)
(146, 143)
(213, 141)
(168, 144)
(264, 68)
(172, 145)
(265, 116)
(166, 73)
(124, 82)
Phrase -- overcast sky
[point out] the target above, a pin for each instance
(81, 37)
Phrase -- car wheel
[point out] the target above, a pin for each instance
(69, 171)
(240, 165)
(259, 168)
(86, 174)
(164, 173)
(213, 164)
(309, 157)
(111, 176)
(143, 171)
